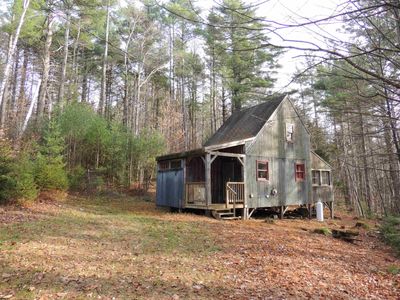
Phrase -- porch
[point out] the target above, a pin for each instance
(195, 196)
(216, 180)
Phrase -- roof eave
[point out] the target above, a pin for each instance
(180, 155)
(227, 145)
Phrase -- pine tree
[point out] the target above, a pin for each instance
(247, 65)
(50, 167)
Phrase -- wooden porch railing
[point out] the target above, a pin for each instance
(196, 193)
(234, 193)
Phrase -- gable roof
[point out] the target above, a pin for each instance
(246, 123)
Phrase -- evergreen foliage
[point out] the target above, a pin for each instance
(7, 182)
(26, 188)
(50, 170)
(391, 232)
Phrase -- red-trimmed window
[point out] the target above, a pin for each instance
(300, 172)
(262, 170)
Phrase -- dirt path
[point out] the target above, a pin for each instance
(121, 248)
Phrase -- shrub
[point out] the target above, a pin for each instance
(49, 166)
(7, 182)
(391, 232)
(23, 173)
(77, 178)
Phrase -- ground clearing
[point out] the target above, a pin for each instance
(117, 247)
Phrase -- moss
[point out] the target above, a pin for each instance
(393, 269)
(323, 230)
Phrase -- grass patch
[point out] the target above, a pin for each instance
(98, 219)
(393, 269)
(391, 232)
(323, 230)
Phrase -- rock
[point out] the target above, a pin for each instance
(197, 287)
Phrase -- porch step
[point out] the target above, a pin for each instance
(224, 214)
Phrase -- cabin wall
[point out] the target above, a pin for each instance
(321, 192)
(271, 145)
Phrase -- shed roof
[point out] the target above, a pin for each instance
(183, 154)
(245, 123)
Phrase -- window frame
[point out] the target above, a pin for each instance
(166, 165)
(329, 178)
(296, 172)
(319, 177)
(262, 170)
(163, 165)
(289, 138)
(175, 161)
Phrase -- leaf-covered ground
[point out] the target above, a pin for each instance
(118, 247)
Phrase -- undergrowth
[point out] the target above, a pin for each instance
(391, 232)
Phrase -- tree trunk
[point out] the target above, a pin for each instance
(103, 94)
(64, 63)
(46, 69)
(11, 52)
(367, 186)
(223, 99)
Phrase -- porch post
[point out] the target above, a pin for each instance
(208, 179)
(245, 202)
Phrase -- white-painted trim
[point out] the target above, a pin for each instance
(217, 153)
(227, 145)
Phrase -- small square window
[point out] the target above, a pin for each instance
(300, 172)
(325, 178)
(262, 170)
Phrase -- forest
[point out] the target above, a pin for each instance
(102, 87)
(93, 91)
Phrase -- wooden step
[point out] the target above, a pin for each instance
(227, 214)
(224, 214)
(231, 218)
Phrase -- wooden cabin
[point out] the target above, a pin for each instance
(259, 158)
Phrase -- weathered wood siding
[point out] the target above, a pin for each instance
(322, 192)
(271, 145)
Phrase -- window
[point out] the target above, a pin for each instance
(300, 172)
(163, 165)
(175, 164)
(289, 132)
(262, 170)
(325, 178)
(169, 165)
(316, 177)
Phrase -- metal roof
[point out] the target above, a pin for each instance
(183, 154)
(246, 123)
